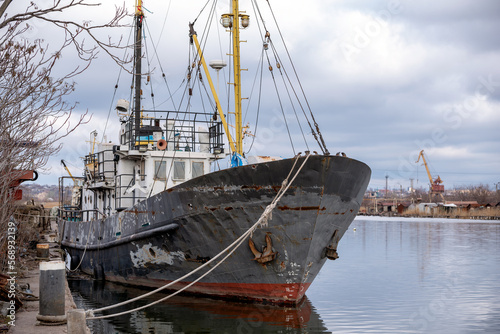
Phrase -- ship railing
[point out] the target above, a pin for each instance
(70, 195)
(183, 131)
(74, 214)
(91, 166)
(100, 166)
(216, 138)
(105, 165)
(184, 138)
(123, 198)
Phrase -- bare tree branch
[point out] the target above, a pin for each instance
(34, 112)
(4, 6)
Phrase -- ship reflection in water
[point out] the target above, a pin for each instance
(184, 314)
(394, 275)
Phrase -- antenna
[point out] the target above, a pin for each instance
(217, 65)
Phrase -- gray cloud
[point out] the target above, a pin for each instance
(384, 79)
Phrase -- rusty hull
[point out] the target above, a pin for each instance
(174, 232)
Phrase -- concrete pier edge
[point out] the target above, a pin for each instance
(26, 317)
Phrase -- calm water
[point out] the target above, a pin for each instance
(393, 276)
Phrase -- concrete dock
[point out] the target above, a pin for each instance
(26, 322)
(26, 317)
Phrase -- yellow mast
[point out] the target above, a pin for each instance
(237, 77)
(138, 7)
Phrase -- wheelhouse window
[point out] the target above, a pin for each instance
(197, 168)
(179, 170)
(161, 170)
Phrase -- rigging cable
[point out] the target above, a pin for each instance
(148, 82)
(221, 54)
(267, 40)
(207, 93)
(181, 85)
(204, 38)
(267, 35)
(261, 69)
(281, 104)
(116, 88)
(186, 82)
(155, 49)
(201, 11)
(321, 141)
(261, 62)
(162, 27)
(280, 68)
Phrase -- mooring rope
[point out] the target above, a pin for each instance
(84, 250)
(262, 221)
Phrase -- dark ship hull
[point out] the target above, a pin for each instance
(172, 233)
(193, 315)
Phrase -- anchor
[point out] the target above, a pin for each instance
(267, 255)
(331, 250)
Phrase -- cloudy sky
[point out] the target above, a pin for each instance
(385, 79)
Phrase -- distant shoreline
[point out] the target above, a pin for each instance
(428, 219)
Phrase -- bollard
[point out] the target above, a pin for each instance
(76, 322)
(42, 251)
(52, 292)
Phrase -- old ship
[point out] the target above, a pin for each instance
(153, 207)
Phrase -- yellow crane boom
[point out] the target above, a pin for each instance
(421, 154)
(435, 185)
(67, 169)
(212, 87)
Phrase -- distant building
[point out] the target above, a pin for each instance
(423, 207)
(464, 205)
(372, 194)
(402, 207)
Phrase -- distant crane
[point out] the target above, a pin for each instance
(436, 187)
(77, 187)
(67, 169)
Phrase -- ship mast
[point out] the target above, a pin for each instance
(233, 21)
(139, 16)
(229, 21)
(237, 77)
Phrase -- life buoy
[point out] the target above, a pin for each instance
(161, 144)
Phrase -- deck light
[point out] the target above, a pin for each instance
(245, 20)
(226, 20)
